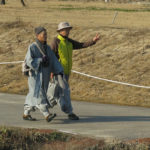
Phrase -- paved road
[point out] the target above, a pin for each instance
(97, 120)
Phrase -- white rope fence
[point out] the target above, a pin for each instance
(13, 62)
(90, 76)
(112, 81)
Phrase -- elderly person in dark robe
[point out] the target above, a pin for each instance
(42, 61)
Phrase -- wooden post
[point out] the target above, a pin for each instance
(116, 13)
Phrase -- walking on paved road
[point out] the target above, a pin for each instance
(42, 61)
(63, 47)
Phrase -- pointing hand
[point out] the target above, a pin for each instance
(96, 38)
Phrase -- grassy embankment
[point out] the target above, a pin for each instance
(122, 54)
(31, 139)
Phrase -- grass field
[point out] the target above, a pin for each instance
(122, 54)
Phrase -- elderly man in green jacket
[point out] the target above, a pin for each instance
(63, 47)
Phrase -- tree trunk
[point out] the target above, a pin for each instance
(3, 2)
(23, 3)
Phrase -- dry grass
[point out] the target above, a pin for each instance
(122, 54)
(31, 139)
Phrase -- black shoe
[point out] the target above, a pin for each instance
(73, 117)
(50, 117)
(29, 118)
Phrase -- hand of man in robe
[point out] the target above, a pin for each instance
(51, 76)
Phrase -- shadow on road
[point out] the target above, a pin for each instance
(93, 119)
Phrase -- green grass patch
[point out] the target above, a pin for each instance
(69, 8)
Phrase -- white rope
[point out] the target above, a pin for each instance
(90, 76)
(13, 62)
(117, 82)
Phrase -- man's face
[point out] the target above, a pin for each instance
(65, 32)
(42, 37)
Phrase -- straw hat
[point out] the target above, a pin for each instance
(63, 25)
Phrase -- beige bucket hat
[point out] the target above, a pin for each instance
(63, 25)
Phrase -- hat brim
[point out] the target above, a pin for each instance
(69, 27)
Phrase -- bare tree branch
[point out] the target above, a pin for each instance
(23, 3)
(3, 2)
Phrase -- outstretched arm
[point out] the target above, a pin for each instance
(78, 45)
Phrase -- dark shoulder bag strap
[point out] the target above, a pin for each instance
(39, 49)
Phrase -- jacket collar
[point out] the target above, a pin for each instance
(62, 38)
